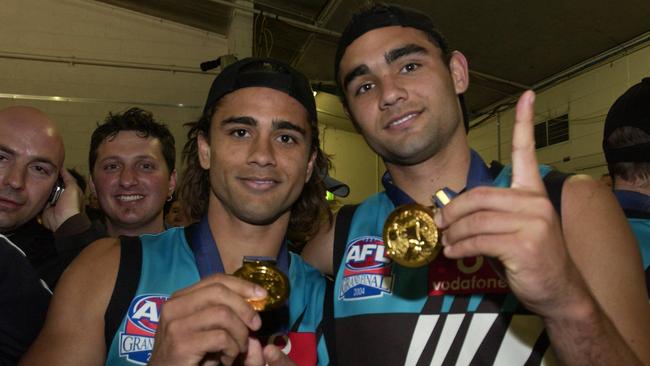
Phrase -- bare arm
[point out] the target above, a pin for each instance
(604, 250)
(319, 250)
(519, 227)
(74, 329)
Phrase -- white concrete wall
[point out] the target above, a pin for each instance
(586, 98)
(91, 31)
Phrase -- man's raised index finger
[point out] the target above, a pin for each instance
(525, 173)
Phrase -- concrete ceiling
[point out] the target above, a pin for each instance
(510, 44)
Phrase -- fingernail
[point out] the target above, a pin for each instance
(259, 291)
(531, 99)
(256, 322)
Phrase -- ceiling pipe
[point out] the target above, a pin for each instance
(104, 63)
(573, 71)
(499, 80)
(323, 18)
(325, 15)
(294, 23)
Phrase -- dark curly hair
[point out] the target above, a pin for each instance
(134, 119)
(195, 188)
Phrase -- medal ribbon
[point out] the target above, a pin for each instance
(478, 175)
(206, 253)
(446, 277)
(208, 261)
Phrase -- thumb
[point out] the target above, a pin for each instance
(274, 357)
(525, 173)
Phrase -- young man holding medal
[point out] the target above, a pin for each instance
(170, 298)
(552, 288)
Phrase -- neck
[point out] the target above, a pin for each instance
(236, 238)
(448, 168)
(116, 230)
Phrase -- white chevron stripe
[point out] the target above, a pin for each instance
(517, 344)
(478, 329)
(449, 331)
(421, 335)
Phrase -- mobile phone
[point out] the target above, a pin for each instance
(58, 188)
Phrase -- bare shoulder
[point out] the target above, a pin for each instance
(589, 205)
(74, 328)
(594, 224)
(97, 265)
(319, 249)
(583, 189)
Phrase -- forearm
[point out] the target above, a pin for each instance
(584, 335)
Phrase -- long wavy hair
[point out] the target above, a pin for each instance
(306, 212)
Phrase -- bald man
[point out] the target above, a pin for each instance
(31, 160)
(31, 260)
(31, 155)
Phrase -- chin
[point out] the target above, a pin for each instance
(255, 216)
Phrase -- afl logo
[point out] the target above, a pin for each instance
(144, 312)
(366, 253)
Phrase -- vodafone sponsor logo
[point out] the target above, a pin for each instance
(464, 276)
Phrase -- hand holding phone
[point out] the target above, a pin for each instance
(57, 190)
(65, 201)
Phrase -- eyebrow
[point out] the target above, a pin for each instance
(7, 150)
(36, 159)
(121, 158)
(390, 57)
(393, 55)
(276, 124)
(356, 72)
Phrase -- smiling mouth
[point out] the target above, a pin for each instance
(259, 182)
(402, 120)
(129, 197)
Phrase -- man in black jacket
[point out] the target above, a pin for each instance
(31, 161)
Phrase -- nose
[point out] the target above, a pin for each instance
(128, 177)
(261, 152)
(392, 92)
(14, 177)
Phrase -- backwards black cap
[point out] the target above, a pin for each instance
(380, 16)
(632, 109)
(384, 15)
(263, 72)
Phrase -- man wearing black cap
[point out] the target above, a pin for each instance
(249, 165)
(626, 143)
(544, 288)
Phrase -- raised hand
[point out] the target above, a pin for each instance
(518, 226)
(207, 323)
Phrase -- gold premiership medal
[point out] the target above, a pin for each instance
(411, 235)
(264, 272)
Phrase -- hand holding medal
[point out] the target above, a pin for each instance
(264, 272)
(411, 235)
